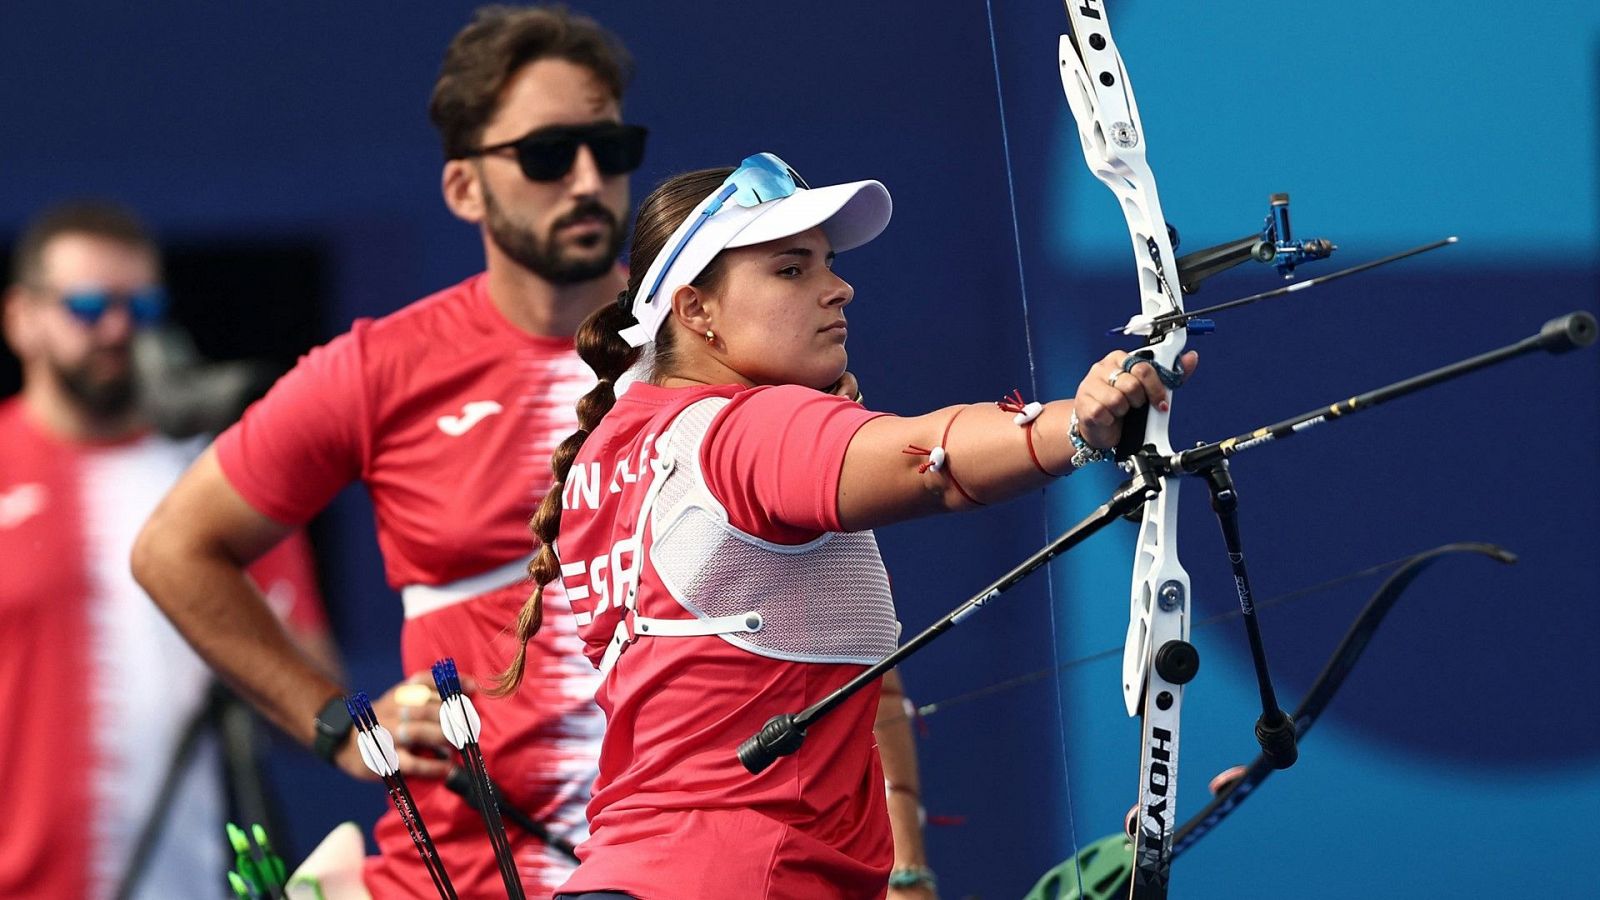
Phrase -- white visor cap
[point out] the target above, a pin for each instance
(850, 214)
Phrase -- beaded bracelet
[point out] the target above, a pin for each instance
(1084, 454)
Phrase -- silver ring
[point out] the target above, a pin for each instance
(400, 734)
(1112, 378)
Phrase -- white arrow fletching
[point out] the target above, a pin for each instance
(364, 744)
(460, 721)
(453, 722)
(385, 742)
(379, 756)
(474, 723)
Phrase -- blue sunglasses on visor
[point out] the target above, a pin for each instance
(759, 179)
(146, 306)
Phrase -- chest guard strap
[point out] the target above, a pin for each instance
(824, 601)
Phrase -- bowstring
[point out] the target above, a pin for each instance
(928, 710)
(1033, 387)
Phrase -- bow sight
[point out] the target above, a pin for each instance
(1274, 243)
(1155, 327)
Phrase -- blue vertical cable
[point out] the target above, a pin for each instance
(1033, 385)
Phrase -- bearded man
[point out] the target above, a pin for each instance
(447, 411)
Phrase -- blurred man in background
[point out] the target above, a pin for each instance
(111, 782)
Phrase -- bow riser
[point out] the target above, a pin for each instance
(1095, 82)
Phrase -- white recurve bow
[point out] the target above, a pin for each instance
(1097, 88)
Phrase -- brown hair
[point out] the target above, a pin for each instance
(600, 345)
(498, 42)
(98, 218)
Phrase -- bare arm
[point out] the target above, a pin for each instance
(898, 752)
(191, 558)
(986, 452)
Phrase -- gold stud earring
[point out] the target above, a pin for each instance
(711, 336)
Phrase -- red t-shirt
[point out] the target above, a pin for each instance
(448, 414)
(444, 410)
(675, 816)
(99, 687)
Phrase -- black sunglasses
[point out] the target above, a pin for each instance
(547, 154)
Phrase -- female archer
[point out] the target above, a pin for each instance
(710, 525)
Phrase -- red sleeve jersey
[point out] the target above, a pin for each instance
(674, 813)
(445, 411)
(448, 415)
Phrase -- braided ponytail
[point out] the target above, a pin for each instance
(602, 347)
(609, 356)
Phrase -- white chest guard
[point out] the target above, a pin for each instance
(824, 601)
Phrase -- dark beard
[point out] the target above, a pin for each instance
(545, 258)
(101, 397)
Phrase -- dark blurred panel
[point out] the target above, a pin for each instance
(250, 299)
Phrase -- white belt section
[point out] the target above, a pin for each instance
(749, 623)
(421, 599)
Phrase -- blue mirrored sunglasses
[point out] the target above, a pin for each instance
(758, 179)
(146, 306)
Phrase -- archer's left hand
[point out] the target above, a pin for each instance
(1107, 394)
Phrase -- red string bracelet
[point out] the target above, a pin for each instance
(938, 459)
(1026, 413)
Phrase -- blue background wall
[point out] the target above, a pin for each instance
(1465, 743)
